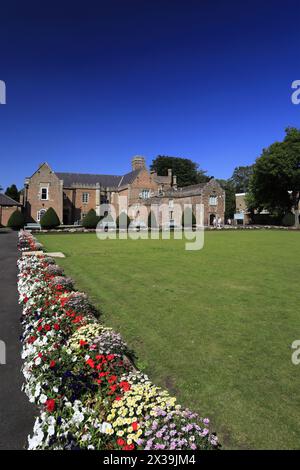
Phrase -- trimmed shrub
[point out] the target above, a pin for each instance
(50, 219)
(288, 219)
(91, 219)
(152, 222)
(123, 221)
(265, 219)
(188, 218)
(16, 220)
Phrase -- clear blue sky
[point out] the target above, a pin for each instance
(91, 84)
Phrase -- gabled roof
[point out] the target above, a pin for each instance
(71, 179)
(111, 181)
(8, 201)
(129, 178)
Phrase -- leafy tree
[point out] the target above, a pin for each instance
(91, 219)
(186, 170)
(188, 218)
(123, 221)
(50, 219)
(12, 191)
(16, 220)
(275, 183)
(230, 191)
(241, 178)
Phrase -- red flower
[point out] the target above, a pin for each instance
(56, 326)
(50, 405)
(25, 300)
(47, 327)
(82, 342)
(128, 447)
(125, 386)
(31, 339)
(91, 363)
(52, 364)
(134, 426)
(120, 441)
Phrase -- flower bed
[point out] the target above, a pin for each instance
(81, 376)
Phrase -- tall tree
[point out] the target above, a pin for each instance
(186, 170)
(275, 183)
(241, 178)
(12, 191)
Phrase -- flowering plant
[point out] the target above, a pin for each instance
(81, 375)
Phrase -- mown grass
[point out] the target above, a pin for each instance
(214, 326)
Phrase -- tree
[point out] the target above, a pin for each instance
(230, 191)
(12, 191)
(91, 219)
(241, 178)
(123, 221)
(186, 170)
(275, 183)
(16, 220)
(152, 222)
(50, 219)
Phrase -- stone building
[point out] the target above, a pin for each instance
(7, 207)
(72, 195)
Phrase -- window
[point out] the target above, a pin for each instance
(145, 194)
(40, 214)
(213, 200)
(44, 194)
(85, 198)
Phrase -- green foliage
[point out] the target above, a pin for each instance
(49, 219)
(16, 220)
(288, 219)
(13, 193)
(186, 170)
(240, 178)
(275, 182)
(91, 219)
(152, 222)
(188, 218)
(265, 219)
(123, 221)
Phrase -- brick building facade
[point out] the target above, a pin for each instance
(7, 207)
(72, 195)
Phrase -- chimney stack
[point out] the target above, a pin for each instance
(138, 163)
(175, 182)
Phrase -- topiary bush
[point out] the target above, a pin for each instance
(152, 222)
(16, 220)
(188, 218)
(50, 219)
(288, 219)
(123, 221)
(91, 219)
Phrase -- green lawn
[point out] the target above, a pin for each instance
(214, 327)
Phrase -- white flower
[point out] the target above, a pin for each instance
(43, 399)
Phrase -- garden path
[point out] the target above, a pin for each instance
(16, 413)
